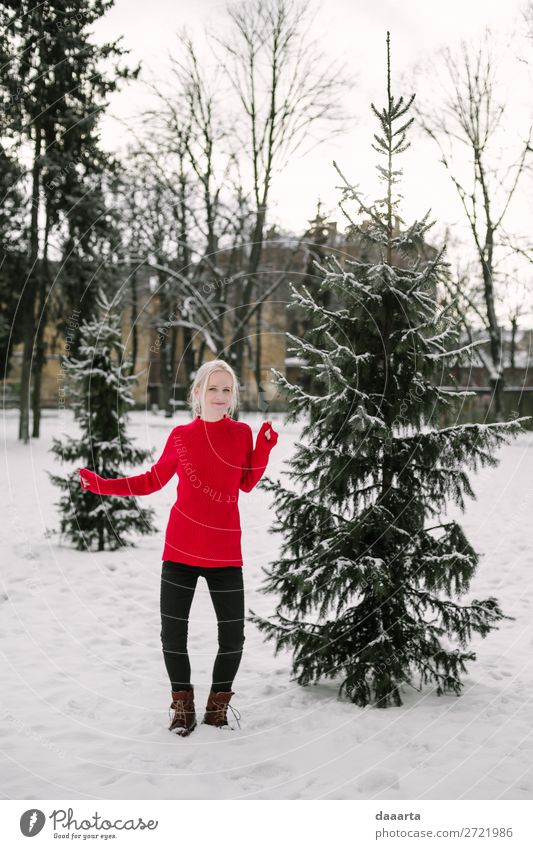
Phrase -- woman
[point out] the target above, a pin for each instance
(213, 457)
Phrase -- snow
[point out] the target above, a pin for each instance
(294, 361)
(84, 694)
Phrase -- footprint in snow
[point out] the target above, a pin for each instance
(378, 779)
(269, 770)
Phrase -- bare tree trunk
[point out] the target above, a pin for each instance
(188, 352)
(514, 331)
(40, 355)
(40, 344)
(261, 394)
(496, 374)
(30, 292)
(134, 331)
(165, 366)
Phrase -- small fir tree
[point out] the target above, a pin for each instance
(100, 384)
(369, 567)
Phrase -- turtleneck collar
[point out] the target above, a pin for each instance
(200, 420)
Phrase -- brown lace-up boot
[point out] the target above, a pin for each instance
(217, 710)
(184, 719)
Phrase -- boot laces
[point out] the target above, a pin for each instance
(222, 708)
(178, 705)
(179, 711)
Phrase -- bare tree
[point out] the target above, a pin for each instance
(463, 300)
(197, 163)
(466, 123)
(207, 214)
(287, 100)
(200, 169)
(158, 198)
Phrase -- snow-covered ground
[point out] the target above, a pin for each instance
(84, 695)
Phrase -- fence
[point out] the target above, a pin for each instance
(479, 408)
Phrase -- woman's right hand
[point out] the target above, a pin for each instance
(89, 480)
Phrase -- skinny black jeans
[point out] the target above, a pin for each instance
(226, 587)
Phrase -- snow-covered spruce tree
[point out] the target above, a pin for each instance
(100, 385)
(370, 572)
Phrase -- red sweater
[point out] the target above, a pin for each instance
(213, 461)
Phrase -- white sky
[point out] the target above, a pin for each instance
(353, 30)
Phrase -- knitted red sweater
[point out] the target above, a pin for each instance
(213, 461)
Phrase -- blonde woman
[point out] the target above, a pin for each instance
(214, 458)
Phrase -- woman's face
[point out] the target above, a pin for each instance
(218, 394)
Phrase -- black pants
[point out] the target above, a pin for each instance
(178, 583)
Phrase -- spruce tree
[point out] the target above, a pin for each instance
(371, 571)
(13, 264)
(100, 384)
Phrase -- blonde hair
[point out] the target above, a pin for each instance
(201, 380)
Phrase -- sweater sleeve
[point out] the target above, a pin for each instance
(257, 458)
(143, 484)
